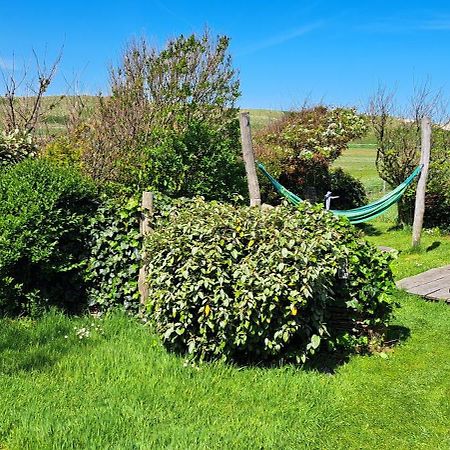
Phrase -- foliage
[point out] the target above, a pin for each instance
(349, 190)
(197, 161)
(398, 154)
(301, 145)
(68, 149)
(15, 146)
(170, 120)
(247, 285)
(44, 211)
(113, 267)
(437, 207)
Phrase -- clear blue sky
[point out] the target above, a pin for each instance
(337, 51)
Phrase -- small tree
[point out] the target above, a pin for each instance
(22, 109)
(398, 136)
(169, 116)
(301, 146)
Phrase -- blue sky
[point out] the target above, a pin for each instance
(286, 51)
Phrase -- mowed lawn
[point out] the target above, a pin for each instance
(119, 389)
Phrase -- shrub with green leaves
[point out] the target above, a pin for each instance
(349, 190)
(113, 268)
(44, 212)
(277, 285)
(300, 147)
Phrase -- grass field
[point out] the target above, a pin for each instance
(118, 388)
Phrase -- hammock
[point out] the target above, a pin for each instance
(356, 215)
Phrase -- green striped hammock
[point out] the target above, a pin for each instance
(356, 215)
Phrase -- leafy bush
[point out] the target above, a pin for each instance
(247, 285)
(300, 146)
(44, 211)
(67, 150)
(197, 161)
(15, 146)
(349, 190)
(437, 208)
(113, 268)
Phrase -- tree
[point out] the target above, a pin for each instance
(301, 146)
(22, 107)
(22, 110)
(398, 135)
(168, 110)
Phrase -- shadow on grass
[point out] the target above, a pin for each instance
(397, 227)
(328, 363)
(433, 246)
(35, 347)
(396, 334)
(369, 229)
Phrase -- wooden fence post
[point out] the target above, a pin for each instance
(145, 228)
(419, 209)
(249, 159)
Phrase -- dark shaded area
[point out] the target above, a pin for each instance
(433, 246)
(396, 334)
(326, 362)
(396, 227)
(368, 229)
(24, 349)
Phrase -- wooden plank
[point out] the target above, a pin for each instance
(431, 287)
(433, 284)
(249, 159)
(419, 209)
(410, 283)
(442, 294)
(425, 277)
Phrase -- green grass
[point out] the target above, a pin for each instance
(434, 251)
(122, 390)
(359, 160)
(262, 117)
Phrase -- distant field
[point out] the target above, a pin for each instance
(262, 117)
(359, 161)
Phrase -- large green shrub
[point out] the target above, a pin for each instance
(170, 123)
(349, 190)
(247, 285)
(44, 211)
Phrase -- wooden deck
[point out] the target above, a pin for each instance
(433, 284)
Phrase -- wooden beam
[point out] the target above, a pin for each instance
(419, 209)
(145, 228)
(249, 159)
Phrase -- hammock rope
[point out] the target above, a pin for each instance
(355, 215)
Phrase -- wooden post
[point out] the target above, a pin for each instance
(419, 209)
(249, 159)
(145, 228)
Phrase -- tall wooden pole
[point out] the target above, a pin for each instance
(419, 209)
(145, 228)
(249, 159)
